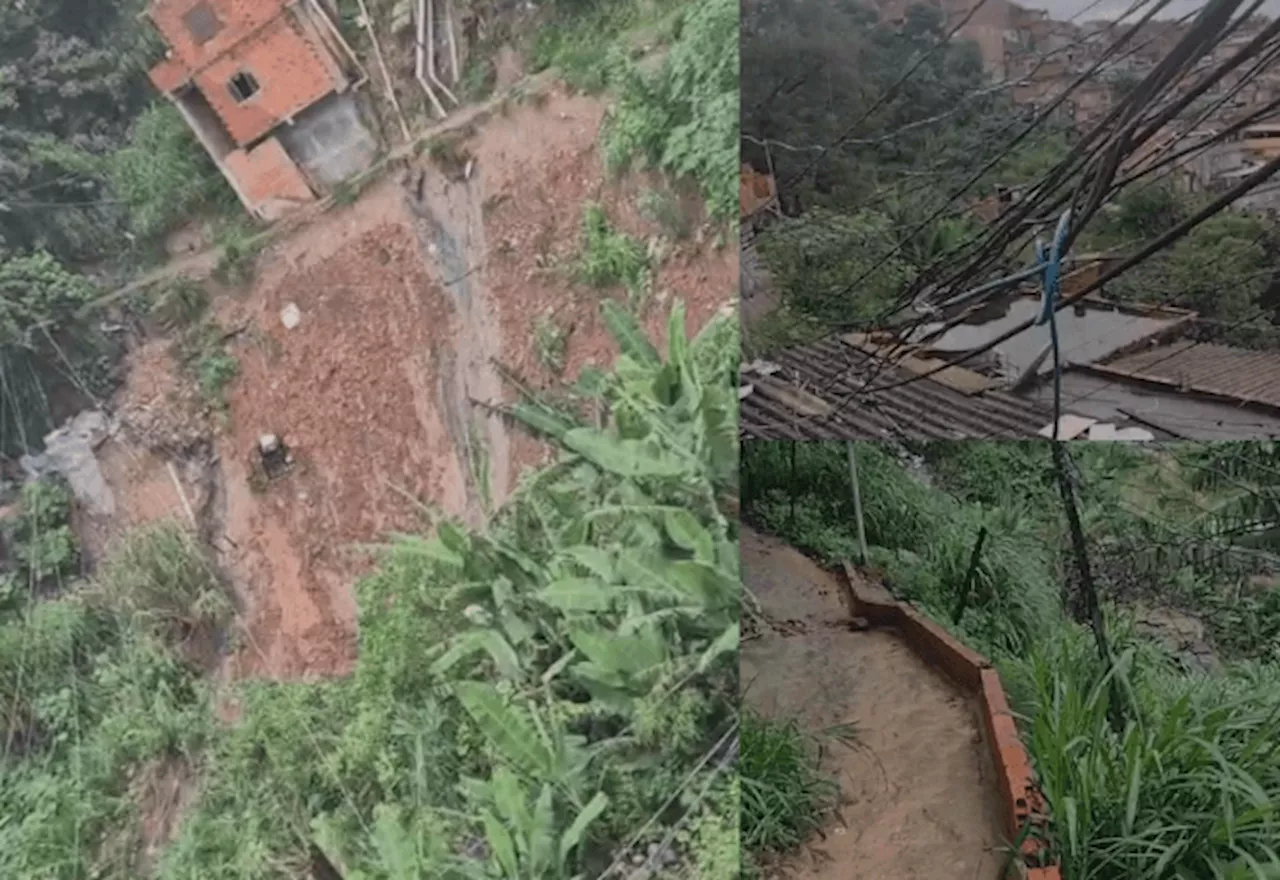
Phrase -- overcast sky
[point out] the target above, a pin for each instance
(1062, 10)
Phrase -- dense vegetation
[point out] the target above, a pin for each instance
(535, 700)
(95, 170)
(1154, 766)
(868, 217)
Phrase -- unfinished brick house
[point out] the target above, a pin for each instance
(268, 86)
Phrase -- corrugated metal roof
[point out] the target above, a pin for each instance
(1237, 373)
(817, 395)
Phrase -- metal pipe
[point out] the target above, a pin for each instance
(431, 54)
(382, 66)
(453, 44)
(420, 57)
(346, 47)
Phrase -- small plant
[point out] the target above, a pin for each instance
(179, 303)
(664, 209)
(162, 578)
(785, 797)
(610, 257)
(550, 341)
(214, 371)
(41, 541)
(479, 78)
(239, 245)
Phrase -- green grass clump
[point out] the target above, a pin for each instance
(785, 796)
(41, 546)
(610, 257)
(163, 578)
(550, 342)
(202, 352)
(683, 118)
(239, 245)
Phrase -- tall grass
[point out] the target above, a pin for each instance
(1189, 785)
(785, 794)
(1189, 788)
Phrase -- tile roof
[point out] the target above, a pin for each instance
(808, 398)
(1187, 365)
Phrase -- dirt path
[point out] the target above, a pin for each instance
(920, 791)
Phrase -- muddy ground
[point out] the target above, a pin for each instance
(412, 300)
(919, 792)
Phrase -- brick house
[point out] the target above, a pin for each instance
(268, 88)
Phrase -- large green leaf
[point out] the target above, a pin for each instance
(578, 594)
(626, 458)
(491, 642)
(573, 836)
(629, 335)
(508, 728)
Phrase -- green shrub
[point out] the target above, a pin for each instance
(785, 795)
(163, 578)
(609, 256)
(684, 118)
(163, 175)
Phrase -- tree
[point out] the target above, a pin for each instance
(43, 346)
(814, 259)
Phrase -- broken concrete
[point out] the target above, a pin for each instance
(70, 453)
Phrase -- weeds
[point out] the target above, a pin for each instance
(550, 340)
(162, 578)
(239, 245)
(203, 353)
(610, 257)
(664, 209)
(179, 303)
(684, 118)
(785, 796)
(39, 541)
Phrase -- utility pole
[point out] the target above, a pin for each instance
(857, 503)
(1090, 609)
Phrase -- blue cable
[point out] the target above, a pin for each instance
(1051, 259)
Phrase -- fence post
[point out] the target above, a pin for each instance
(857, 503)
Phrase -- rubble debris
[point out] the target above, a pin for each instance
(276, 459)
(69, 453)
(291, 316)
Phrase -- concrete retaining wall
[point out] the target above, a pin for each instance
(1023, 803)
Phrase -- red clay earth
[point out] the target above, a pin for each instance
(407, 303)
(919, 792)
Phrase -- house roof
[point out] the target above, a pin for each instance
(1238, 374)
(815, 392)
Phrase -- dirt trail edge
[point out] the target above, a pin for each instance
(921, 798)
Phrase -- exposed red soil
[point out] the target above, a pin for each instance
(540, 169)
(349, 390)
(409, 300)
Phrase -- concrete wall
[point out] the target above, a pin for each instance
(329, 141)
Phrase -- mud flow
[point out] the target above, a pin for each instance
(374, 345)
(919, 793)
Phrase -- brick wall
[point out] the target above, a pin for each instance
(289, 73)
(236, 19)
(259, 37)
(268, 178)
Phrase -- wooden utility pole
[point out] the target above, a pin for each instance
(967, 587)
(1089, 609)
(857, 503)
